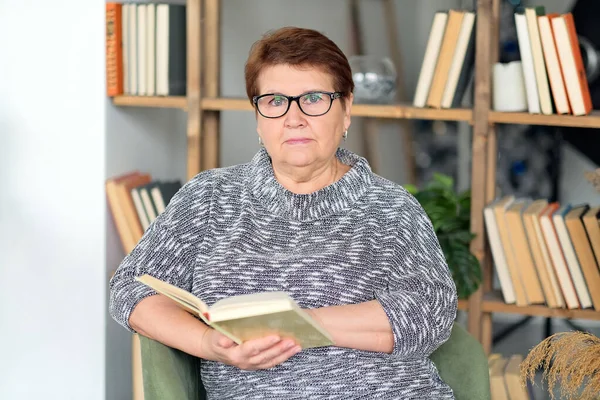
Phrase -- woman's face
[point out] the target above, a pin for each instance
(295, 138)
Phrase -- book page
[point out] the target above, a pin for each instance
(185, 299)
(253, 299)
(294, 324)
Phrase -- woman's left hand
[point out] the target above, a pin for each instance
(261, 353)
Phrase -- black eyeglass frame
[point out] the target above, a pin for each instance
(290, 99)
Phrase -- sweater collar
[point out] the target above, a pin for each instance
(304, 207)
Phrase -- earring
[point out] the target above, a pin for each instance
(260, 143)
(345, 136)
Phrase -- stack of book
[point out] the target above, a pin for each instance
(145, 49)
(505, 378)
(135, 200)
(545, 252)
(554, 75)
(447, 68)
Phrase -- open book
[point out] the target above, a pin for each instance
(244, 317)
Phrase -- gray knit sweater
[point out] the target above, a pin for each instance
(236, 230)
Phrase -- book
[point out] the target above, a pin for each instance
(430, 59)
(555, 73)
(541, 262)
(500, 209)
(502, 270)
(114, 49)
(524, 263)
(557, 256)
(533, 98)
(583, 250)
(566, 242)
(249, 316)
(571, 60)
(462, 65)
(170, 50)
(537, 55)
(444, 61)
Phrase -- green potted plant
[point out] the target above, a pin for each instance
(450, 214)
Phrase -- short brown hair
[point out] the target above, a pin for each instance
(298, 46)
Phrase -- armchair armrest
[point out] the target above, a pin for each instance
(463, 365)
(169, 373)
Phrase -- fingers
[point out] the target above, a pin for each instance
(254, 347)
(282, 357)
(262, 353)
(274, 355)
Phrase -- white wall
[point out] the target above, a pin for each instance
(52, 300)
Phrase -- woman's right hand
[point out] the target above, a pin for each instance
(262, 353)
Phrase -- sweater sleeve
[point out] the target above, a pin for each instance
(167, 251)
(421, 299)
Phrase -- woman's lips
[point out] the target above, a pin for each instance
(297, 141)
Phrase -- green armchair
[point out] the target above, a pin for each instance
(168, 373)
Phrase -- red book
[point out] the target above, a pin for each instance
(114, 49)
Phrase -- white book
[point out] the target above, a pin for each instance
(142, 37)
(132, 54)
(508, 291)
(125, 23)
(539, 65)
(434, 43)
(158, 200)
(139, 207)
(151, 49)
(533, 99)
(148, 205)
(162, 49)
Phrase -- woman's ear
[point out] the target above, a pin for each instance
(349, 100)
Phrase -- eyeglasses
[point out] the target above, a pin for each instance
(313, 104)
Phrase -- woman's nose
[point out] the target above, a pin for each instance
(295, 117)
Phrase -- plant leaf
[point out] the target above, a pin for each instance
(450, 215)
(412, 189)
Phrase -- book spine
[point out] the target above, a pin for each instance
(114, 49)
(580, 69)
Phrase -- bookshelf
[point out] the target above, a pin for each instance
(203, 106)
(585, 121)
(152, 101)
(486, 301)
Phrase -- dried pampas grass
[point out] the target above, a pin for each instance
(570, 359)
(594, 178)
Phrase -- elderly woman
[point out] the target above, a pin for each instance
(310, 218)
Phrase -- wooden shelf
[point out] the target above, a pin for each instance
(394, 111)
(493, 302)
(226, 104)
(584, 121)
(151, 101)
(401, 111)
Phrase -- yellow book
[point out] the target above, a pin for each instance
(249, 316)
